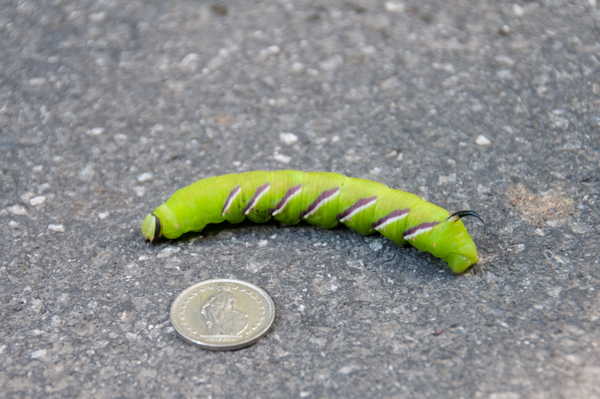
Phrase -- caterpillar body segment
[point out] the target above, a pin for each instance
(320, 198)
(358, 202)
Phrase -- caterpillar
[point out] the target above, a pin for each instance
(320, 198)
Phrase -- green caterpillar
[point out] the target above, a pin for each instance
(320, 198)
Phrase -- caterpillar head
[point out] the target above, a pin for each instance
(162, 223)
(151, 228)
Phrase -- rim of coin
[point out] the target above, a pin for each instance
(222, 314)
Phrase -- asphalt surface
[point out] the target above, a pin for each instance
(108, 107)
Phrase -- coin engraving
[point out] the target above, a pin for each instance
(221, 317)
(222, 314)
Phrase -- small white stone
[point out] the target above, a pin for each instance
(301, 308)
(335, 139)
(297, 67)
(449, 68)
(288, 138)
(376, 245)
(139, 191)
(38, 168)
(255, 267)
(18, 210)
(518, 10)
(274, 49)
(103, 215)
(375, 171)
(394, 6)
(27, 196)
(348, 369)
(144, 177)
(448, 179)
(368, 50)
(59, 228)
(262, 243)
(191, 58)
(39, 354)
(131, 336)
(482, 140)
(390, 83)
(592, 3)
(557, 119)
(120, 138)
(271, 50)
(282, 158)
(97, 16)
(12, 223)
(190, 61)
(331, 63)
(504, 395)
(165, 253)
(503, 59)
(97, 131)
(312, 71)
(87, 173)
(37, 200)
(37, 81)
(504, 74)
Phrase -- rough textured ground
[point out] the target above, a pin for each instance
(107, 107)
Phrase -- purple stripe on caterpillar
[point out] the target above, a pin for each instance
(232, 194)
(392, 217)
(420, 229)
(262, 190)
(289, 195)
(321, 200)
(359, 206)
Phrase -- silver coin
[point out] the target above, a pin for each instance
(222, 314)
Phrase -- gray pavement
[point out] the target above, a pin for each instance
(108, 107)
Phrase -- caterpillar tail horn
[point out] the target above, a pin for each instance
(460, 214)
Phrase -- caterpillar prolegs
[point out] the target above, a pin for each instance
(321, 198)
